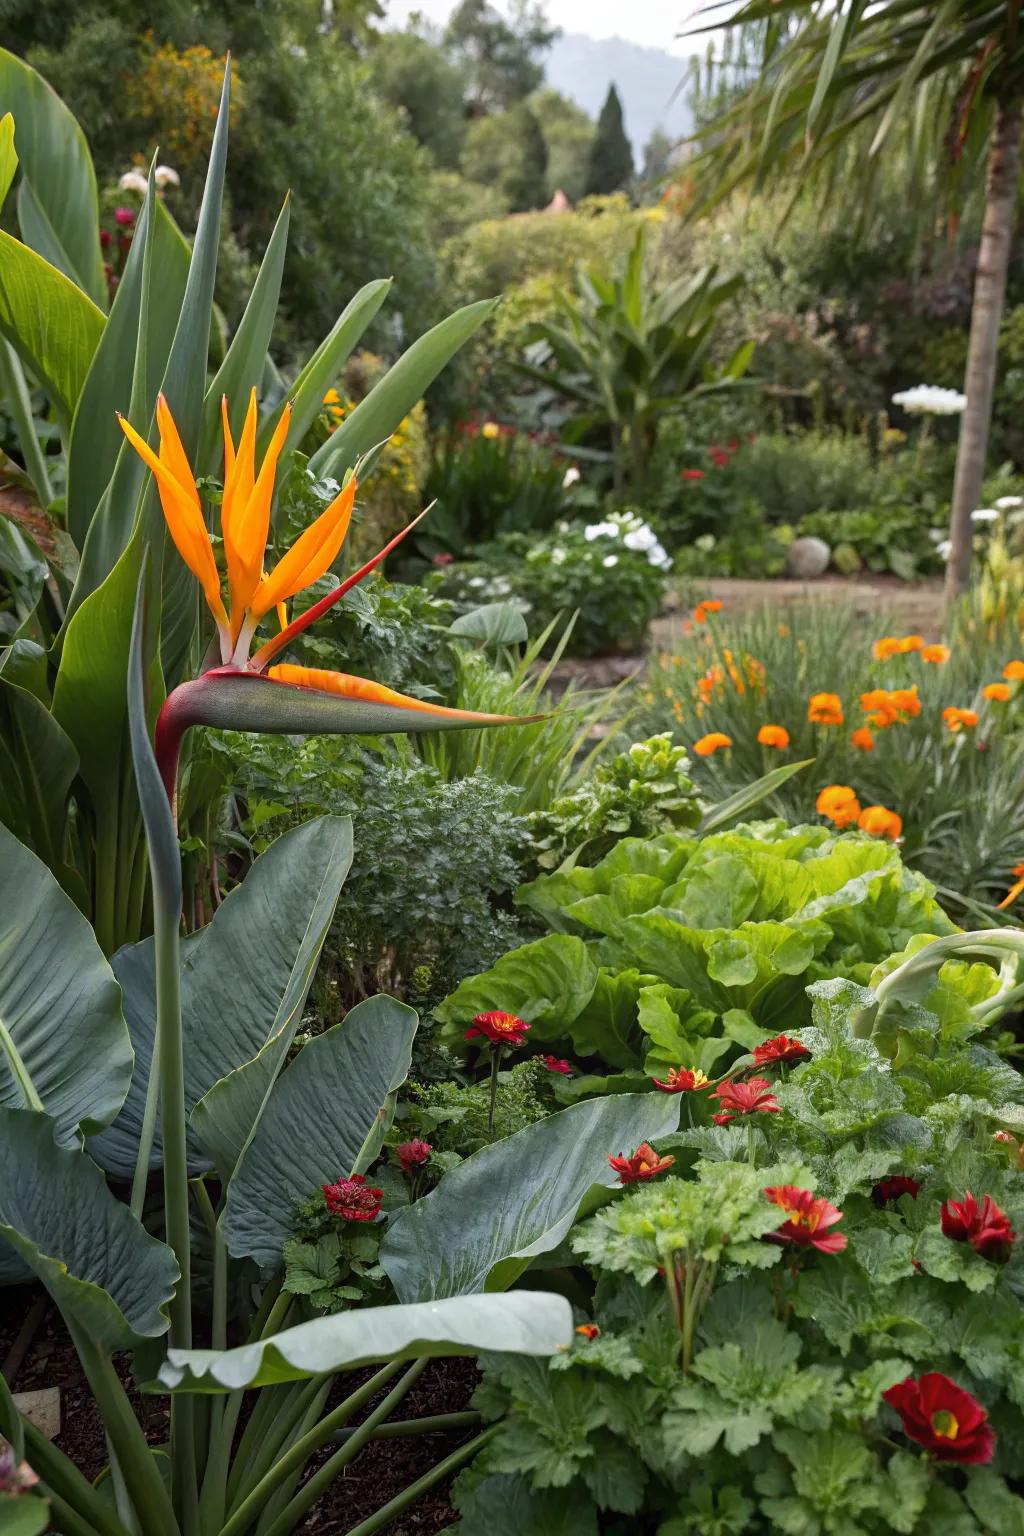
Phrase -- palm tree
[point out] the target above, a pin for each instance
(840, 70)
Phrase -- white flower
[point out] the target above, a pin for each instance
(936, 535)
(594, 531)
(642, 538)
(930, 400)
(659, 556)
(610, 560)
(1006, 503)
(943, 549)
(134, 181)
(558, 555)
(476, 582)
(166, 176)
(707, 542)
(570, 478)
(984, 515)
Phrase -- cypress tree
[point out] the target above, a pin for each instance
(611, 159)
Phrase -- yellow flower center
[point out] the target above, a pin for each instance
(945, 1424)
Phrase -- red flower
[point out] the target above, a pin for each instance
(442, 558)
(588, 1330)
(987, 1228)
(942, 1417)
(643, 1164)
(749, 1098)
(781, 1049)
(682, 1080)
(125, 217)
(693, 474)
(719, 457)
(890, 1189)
(104, 238)
(413, 1154)
(557, 1064)
(808, 1218)
(499, 1028)
(353, 1198)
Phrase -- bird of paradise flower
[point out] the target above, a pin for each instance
(245, 692)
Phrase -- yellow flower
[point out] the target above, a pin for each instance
(490, 430)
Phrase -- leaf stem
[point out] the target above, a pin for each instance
(401, 1501)
(495, 1064)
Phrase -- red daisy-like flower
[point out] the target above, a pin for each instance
(942, 1417)
(985, 1227)
(499, 1028)
(808, 1219)
(749, 1098)
(890, 1189)
(558, 1064)
(643, 1164)
(682, 1080)
(588, 1330)
(782, 1048)
(413, 1154)
(353, 1199)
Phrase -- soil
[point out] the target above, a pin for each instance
(377, 1474)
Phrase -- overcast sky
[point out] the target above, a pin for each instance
(651, 22)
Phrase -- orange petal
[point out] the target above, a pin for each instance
(244, 557)
(172, 452)
(363, 691)
(1011, 896)
(310, 555)
(184, 520)
(229, 446)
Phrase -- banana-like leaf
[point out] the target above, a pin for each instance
(509, 1202)
(8, 155)
(325, 1119)
(248, 970)
(100, 1265)
(376, 417)
(23, 1516)
(52, 325)
(38, 764)
(96, 438)
(745, 799)
(246, 357)
(518, 1323)
(63, 216)
(64, 1047)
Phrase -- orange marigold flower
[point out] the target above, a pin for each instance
(709, 605)
(1014, 671)
(773, 736)
(959, 719)
(938, 655)
(862, 739)
(911, 643)
(682, 1080)
(713, 742)
(641, 1165)
(905, 701)
(838, 803)
(997, 692)
(877, 821)
(825, 709)
(888, 646)
(808, 1217)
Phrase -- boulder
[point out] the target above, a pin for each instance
(807, 558)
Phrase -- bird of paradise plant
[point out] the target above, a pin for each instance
(246, 692)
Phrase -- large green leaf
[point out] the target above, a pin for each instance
(518, 1323)
(8, 155)
(63, 1042)
(325, 1120)
(376, 417)
(246, 357)
(96, 438)
(53, 326)
(481, 1226)
(737, 805)
(547, 983)
(249, 969)
(97, 1261)
(37, 766)
(62, 218)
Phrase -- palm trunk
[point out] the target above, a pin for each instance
(986, 316)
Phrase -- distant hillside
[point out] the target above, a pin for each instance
(646, 78)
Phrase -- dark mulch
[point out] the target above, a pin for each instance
(377, 1474)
